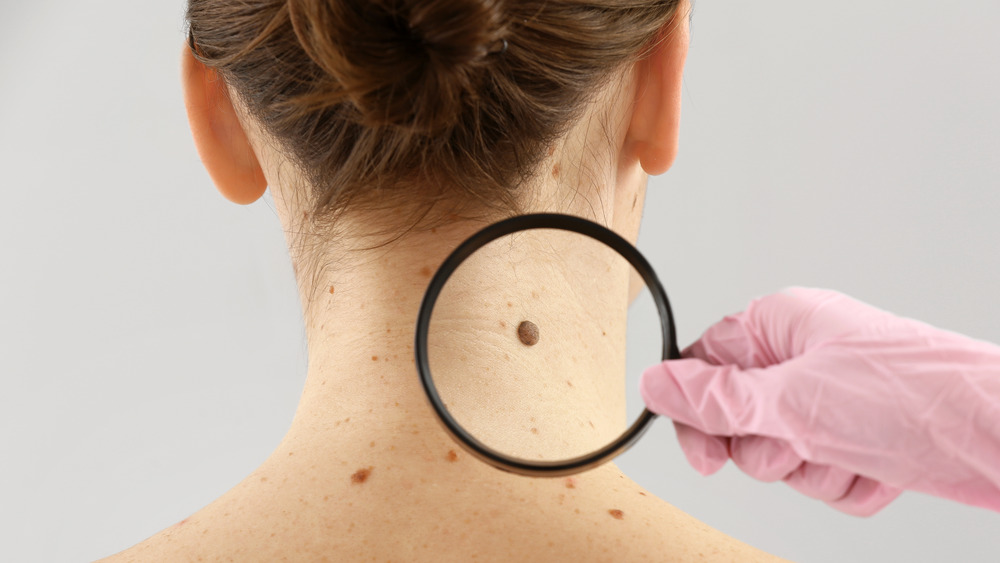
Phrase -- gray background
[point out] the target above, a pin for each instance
(150, 340)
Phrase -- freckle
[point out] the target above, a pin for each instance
(509, 304)
(527, 331)
(374, 358)
(570, 483)
(635, 199)
(604, 333)
(290, 454)
(534, 431)
(616, 514)
(181, 523)
(388, 330)
(577, 510)
(263, 479)
(591, 423)
(534, 294)
(361, 475)
(331, 290)
(397, 403)
(326, 497)
(555, 170)
(570, 383)
(642, 493)
(305, 214)
(452, 456)
(371, 445)
(552, 150)
(434, 230)
(425, 271)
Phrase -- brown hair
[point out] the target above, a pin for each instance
(375, 99)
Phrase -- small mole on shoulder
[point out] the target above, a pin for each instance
(452, 456)
(616, 514)
(361, 475)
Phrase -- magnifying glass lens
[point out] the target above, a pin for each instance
(527, 345)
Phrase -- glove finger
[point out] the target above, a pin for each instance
(718, 400)
(707, 454)
(866, 497)
(729, 342)
(823, 482)
(764, 458)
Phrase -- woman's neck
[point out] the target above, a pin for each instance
(363, 387)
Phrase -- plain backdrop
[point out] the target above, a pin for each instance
(150, 343)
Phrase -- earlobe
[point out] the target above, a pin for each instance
(218, 134)
(654, 130)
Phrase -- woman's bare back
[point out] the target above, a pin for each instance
(445, 508)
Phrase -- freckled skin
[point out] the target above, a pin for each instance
(452, 456)
(331, 290)
(361, 475)
(527, 331)
(570, 483)
(616, 514)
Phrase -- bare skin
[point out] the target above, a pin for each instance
(365, 471)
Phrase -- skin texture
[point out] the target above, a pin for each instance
(365, 471)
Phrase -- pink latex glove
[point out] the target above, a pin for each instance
(844, 402)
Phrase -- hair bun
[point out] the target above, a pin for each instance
(407, 63)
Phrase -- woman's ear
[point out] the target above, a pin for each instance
(219, 137)
(654, 130)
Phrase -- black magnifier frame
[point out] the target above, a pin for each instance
(482, 238)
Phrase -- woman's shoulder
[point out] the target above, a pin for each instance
(584, 518)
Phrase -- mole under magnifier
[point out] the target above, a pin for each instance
(528, 333)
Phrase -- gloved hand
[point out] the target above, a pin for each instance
(844, 402)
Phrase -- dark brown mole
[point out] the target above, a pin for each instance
(452, 456)
(616, 514)
(527, 331)
(361, 475)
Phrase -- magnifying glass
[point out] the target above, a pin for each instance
(535, 413)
